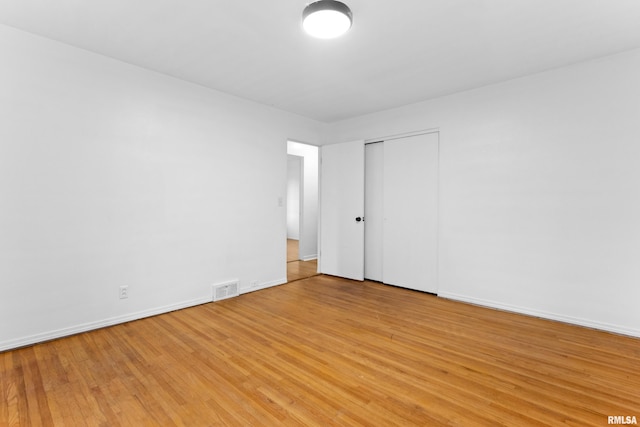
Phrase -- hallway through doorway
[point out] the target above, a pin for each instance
(296, 268)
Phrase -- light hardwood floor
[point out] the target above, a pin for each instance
(293, 250)
(326, 352)
(297, 269)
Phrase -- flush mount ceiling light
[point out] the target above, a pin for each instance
(326, 19)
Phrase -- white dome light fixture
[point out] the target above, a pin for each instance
(326, 19)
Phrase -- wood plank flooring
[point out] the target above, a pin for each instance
(326, 352)
(297, 269)
(293, 249)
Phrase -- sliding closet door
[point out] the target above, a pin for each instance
(410, 236)
(373, 211)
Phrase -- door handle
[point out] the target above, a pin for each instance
(358, 219)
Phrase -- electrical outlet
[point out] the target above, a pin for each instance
(124, 292)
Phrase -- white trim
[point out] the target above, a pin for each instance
(438, 211)
(309, 258)
(320, 202)
(86, 327)
(401, 135)
(544, 314)
(264, 286)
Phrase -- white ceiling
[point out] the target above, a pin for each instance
(397, 52)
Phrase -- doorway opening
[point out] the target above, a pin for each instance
(302, 210)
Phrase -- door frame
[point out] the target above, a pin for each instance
(300, 161)
(309, 200)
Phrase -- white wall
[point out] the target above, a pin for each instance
(294, 175)
(539, 191)
(308, 245)
(114, 175)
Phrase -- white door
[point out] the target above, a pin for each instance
(342, 210)
(373, 210)
(410, 236)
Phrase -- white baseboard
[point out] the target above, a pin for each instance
(543, 314)
(309, 257)
(60, 333)
(86, 327)
(264, 285)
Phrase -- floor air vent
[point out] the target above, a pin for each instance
(226, 290)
